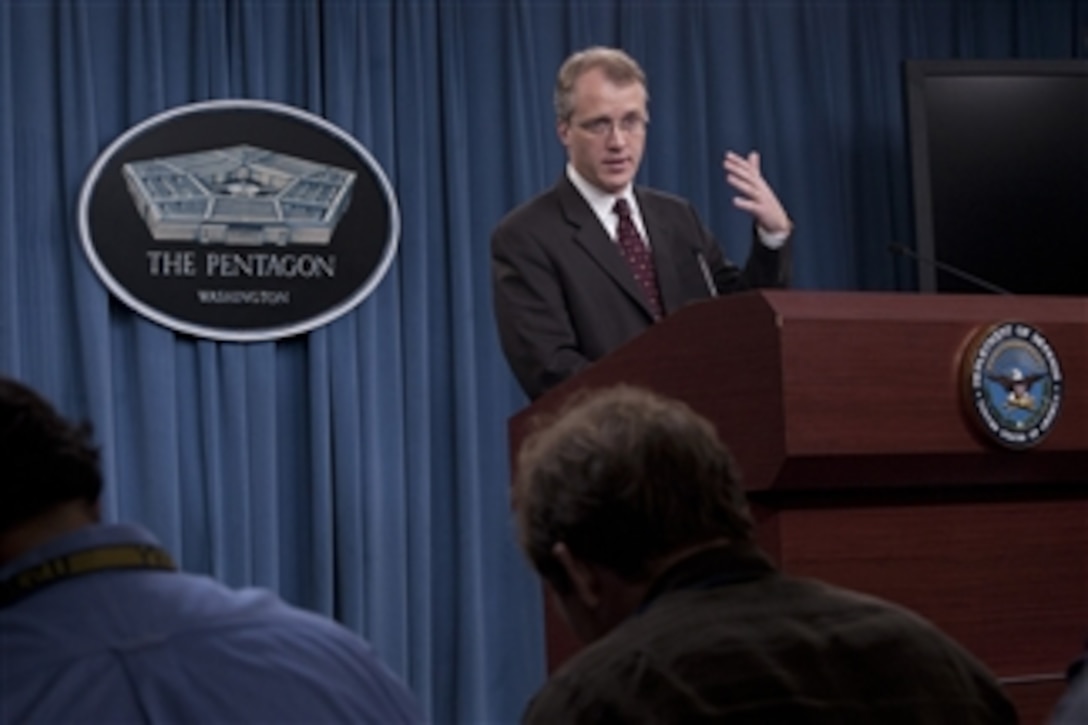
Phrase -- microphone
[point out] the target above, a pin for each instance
(945, 267)
(707, 277)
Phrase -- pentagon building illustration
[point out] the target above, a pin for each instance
(241, 195)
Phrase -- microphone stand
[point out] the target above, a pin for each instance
(945, 267)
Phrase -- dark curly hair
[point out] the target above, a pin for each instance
(45, 460)
(624, 476)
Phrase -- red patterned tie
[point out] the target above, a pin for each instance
(638, 256)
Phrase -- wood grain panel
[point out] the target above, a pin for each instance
(1009, 580)
(1035, 701)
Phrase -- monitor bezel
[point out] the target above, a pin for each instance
(916, 73)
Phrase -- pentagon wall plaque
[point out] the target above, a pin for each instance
(238, 220)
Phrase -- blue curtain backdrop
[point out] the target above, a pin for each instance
(361, 469)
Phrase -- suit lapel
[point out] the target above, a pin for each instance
(588, 232)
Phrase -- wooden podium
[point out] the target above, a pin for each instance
(865, 468)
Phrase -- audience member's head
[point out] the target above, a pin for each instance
(49, 465)
(615, 488)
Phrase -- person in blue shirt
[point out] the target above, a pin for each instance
(98, 625)
(1072, 708)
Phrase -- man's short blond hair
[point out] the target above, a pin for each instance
(618, 67)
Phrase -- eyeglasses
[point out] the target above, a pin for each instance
(633, 124)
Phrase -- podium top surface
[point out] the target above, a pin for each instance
(851, 389)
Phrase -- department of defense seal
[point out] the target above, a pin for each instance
(1013, 384)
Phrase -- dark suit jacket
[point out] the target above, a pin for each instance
(564, 295)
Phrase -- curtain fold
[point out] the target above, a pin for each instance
(362, 469)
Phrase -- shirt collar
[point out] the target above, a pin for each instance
(711, 568)
(601, 202)
(88, 537)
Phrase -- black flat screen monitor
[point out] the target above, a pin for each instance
(999, 160)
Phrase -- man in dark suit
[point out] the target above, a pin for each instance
(575, 274)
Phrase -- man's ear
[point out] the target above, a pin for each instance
(562, 130)
(583, 576)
